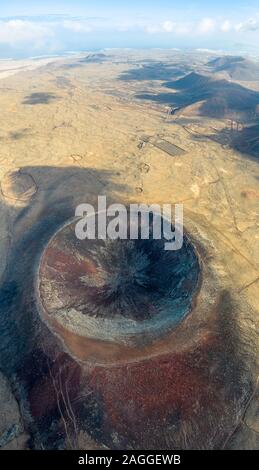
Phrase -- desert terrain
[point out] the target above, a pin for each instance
(159, 126)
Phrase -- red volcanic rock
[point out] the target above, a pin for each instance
(157, 395)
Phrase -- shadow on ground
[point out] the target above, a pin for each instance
(40, 98)
(157, 71)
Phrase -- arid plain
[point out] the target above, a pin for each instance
(131, 126)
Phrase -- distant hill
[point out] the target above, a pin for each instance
(238, 68)
(95, 58)
(192, 81)
(204, 95)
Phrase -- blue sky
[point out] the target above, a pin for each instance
(30, 28)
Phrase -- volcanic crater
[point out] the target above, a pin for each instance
(124, 291)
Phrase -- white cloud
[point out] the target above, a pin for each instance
(152, 28)
(77, 26)
(226, 26)
(184, 29)
(50, 33)
(16, 31)
(251, 24)
(207, 25)
(168, 26)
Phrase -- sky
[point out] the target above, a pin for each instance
(43, 27)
